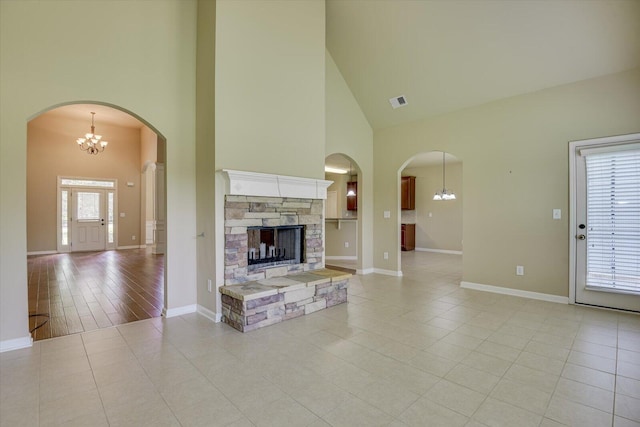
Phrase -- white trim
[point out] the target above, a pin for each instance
(515, 292)
(179, 311)
(388, 272)
(42, 253)
(439, 251)
(342, 257)
(131, 247)
(16, 344)
(244, 183)
(211, 315)
(365, 271)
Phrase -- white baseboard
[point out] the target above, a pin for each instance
(131, 247)
(388, 272)
(439, 251)
(16, 344)
(365, 271)
(211, 315)
(42, 253)
(179, 311)
(345, 257)
(515, 292)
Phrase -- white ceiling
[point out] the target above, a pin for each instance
(448, 55)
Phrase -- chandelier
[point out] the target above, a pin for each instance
(91, 143)
(444, 194)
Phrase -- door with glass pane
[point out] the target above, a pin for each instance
(607, 224)
(88, 220)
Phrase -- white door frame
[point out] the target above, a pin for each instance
(573, 145)
(70, 187)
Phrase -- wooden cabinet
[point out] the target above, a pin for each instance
(408, 193)
(408, 237)
(352, 201)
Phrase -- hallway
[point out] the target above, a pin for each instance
(83, 291)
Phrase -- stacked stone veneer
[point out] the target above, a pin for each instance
(250, 211)
(256, 304)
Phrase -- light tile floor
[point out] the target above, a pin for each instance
(410, 351)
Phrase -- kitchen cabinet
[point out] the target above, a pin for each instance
(408, 193)
(352, 201)
(408, 237)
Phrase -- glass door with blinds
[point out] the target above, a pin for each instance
(606, 223)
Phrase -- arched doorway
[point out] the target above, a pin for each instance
(430, 205)
(89, 261)
(342, 223)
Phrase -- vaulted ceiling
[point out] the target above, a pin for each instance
(449, 55)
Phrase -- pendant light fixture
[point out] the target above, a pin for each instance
(444, 194)
(91, 143)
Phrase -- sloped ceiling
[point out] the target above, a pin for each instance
(449, 55)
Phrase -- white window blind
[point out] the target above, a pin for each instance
(613, 221)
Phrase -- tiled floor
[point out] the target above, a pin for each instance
(411, 351)
(83, 291)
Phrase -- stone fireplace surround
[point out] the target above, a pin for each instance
(272, 294)
(242, 212)
(260, 199)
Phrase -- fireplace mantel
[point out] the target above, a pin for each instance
(243, 183)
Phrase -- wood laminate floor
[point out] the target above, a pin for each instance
(78, 292)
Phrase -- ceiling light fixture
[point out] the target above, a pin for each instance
(329, 169)
(444, 194)
(91, 143)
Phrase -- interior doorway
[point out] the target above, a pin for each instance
(430, 204)
(93, 261)
(342, 223)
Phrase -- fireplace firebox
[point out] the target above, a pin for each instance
(271, 246)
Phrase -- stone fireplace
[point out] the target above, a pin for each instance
(271, 236)
(273, 225)
(274, 250)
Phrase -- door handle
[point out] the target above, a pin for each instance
(581, 237)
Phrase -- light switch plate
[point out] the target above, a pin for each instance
(387, 214)
(557, 214)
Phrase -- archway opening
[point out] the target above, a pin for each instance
(342, 228)
(96, 226)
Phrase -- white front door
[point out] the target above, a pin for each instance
(606, 222)
(88, 220)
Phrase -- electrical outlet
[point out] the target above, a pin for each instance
(519, 270)
(385, 255)
(133, 237)
(209, 285)
(346, 244)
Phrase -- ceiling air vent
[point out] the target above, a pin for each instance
(398, 101)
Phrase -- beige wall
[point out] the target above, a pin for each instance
(515, 157)
(443, 229)
(144, 62)
(335, 237)
(349, 133)
(52, 152)
(205, 152)
(269, 86)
